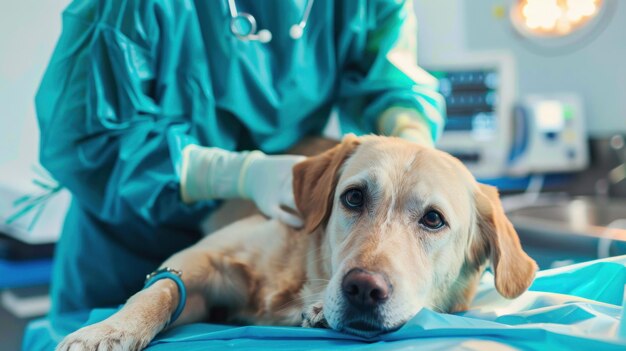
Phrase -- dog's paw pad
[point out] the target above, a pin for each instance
(101, 337)
(313, 317)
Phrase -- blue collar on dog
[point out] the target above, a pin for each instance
(175, 275)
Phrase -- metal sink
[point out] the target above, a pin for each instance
(574, 229)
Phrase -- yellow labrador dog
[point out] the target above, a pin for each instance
(391, 227)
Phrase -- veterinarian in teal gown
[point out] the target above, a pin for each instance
(132, 82)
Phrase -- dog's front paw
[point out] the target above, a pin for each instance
(313, 316)
(103, 337)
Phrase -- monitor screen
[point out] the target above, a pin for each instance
(471, 100)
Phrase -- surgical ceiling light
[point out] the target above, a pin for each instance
(553, 18)
(560, 27)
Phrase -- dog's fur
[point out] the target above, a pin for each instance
(259, 271)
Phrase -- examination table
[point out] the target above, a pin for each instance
(576, 307)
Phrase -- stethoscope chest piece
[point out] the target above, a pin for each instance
(244, 27)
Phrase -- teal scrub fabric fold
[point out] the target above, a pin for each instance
(578, 307)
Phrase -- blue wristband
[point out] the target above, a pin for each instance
(168, 273)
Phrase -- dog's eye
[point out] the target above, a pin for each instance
(432, 220)
(353, 199)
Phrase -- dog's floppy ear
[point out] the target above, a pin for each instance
(315, 179)
(513, 269)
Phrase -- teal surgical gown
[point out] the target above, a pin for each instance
(132, 82)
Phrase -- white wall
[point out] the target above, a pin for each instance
(29, 30)
(441, 29)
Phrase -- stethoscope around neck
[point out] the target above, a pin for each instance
(243, 25)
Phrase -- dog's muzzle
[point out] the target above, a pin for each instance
(364, 292)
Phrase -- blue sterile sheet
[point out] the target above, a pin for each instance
(577, 307)
(24, 273)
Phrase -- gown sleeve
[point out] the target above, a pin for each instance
(117, 105)
(377, 48)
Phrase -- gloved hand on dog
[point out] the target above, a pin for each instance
(212, 173)
(407, 124)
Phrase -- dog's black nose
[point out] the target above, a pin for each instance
(365, 289)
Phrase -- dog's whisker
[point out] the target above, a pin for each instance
(287, 304)
(320, 279)
(321, 258)
(315, 250)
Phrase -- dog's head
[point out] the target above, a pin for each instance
(407, 227)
